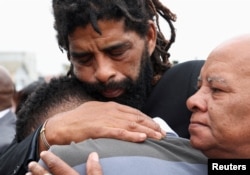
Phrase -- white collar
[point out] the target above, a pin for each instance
(5, 111)
(165, 126)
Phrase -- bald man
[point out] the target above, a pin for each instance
(7, 117)
(220, 121)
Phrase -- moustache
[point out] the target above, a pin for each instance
(124, 84)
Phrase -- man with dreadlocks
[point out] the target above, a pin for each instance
(118, 53)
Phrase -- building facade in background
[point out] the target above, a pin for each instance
(22, 67)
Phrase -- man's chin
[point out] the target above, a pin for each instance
(202, 141)
(197, 143)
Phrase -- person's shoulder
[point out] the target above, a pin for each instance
(169, 148)
(180, 150)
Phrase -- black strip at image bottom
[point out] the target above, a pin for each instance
(228, 166)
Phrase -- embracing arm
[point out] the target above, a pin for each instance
(100, 120)
(90, 120)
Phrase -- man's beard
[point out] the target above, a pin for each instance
(136, 92)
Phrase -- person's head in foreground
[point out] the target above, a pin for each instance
(61, 94)
(220, 122)
(116, 48)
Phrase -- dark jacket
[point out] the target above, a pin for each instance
(168, 99)
(15, 159)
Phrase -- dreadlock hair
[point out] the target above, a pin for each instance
(70, 14)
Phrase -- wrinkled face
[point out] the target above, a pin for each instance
(111, 63)
(220, 123)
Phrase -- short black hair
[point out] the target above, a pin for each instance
(21, 95)
(59, 95)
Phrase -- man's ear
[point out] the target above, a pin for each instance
(151, 37)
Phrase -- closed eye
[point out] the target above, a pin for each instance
(117, 51)
(81, 58)
(215, 90)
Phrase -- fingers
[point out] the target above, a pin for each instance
(143, 124)
(55, 165)
(93, 166)
(123, 134)
(58, 167)
(142, 128)
(102, 119)
(124, 123)
(140, 122)
(36, 169)
(148, 126)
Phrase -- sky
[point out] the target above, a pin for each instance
(27, 25)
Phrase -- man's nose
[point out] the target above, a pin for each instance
(105, 70)
(196, 102)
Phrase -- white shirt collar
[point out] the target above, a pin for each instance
(2, 113)
(165, 126)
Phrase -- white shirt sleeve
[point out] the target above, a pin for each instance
(165, 126)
